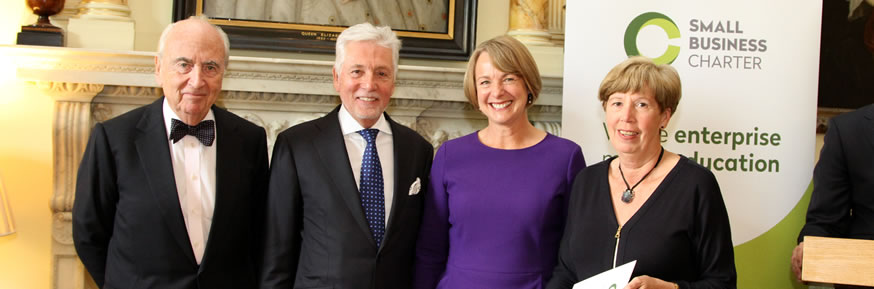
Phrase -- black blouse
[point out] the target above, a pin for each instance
(681, 233)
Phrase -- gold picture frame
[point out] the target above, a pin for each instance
(317, 29)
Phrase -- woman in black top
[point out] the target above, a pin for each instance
(646, 204)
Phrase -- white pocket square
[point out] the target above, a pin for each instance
(415, 187)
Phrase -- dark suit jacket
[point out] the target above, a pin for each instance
(317, 235)
(128, 227)
(842, 203)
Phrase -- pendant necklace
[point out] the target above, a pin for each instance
(628, 194)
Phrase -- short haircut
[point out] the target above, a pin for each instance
(507, 55)
(641, 75)
(382, 36)
(163, 41)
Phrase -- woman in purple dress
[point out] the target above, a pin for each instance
(495, 209)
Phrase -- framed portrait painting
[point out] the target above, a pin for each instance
(431, 29)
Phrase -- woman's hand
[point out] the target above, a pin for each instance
(647, 282)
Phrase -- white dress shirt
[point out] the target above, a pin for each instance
(355, 145)
(194, 171)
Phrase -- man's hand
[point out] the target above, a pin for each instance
(796, 260)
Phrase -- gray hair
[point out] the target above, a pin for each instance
(204, 19)
(382, 36)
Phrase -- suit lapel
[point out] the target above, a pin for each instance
(226, 171)
(403, 176)
(154, 153)
(869, 123)
(332, 150)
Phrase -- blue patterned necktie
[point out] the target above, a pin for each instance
(371, 186)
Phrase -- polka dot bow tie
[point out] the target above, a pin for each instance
(204, 131)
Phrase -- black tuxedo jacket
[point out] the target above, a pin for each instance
(128, 227)
(317, 235)
(842, 203)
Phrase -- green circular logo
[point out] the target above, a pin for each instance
(657, 19)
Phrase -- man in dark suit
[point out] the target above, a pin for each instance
(170, 195)
(842, 202)
(345, 198)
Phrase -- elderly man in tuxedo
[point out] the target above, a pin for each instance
(171, 194)
(345, 194)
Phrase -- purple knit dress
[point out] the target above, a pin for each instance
(493, 218)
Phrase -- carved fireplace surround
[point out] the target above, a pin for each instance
(89, 86)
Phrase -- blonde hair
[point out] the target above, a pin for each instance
(641, 75)
(507, 55)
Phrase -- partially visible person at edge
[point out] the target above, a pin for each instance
(646, 204)
(498, 198)
(171, 195)
(842, 202)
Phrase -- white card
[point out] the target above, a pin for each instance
(615, 278)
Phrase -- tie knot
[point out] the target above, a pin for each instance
(369, 134)
(204, 131)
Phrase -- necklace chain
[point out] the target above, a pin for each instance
(628, 194)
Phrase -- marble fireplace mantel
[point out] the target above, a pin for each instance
(250, 74)
(89, 86)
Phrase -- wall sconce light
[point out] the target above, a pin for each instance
(7, 223)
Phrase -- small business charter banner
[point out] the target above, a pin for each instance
(749, 73)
